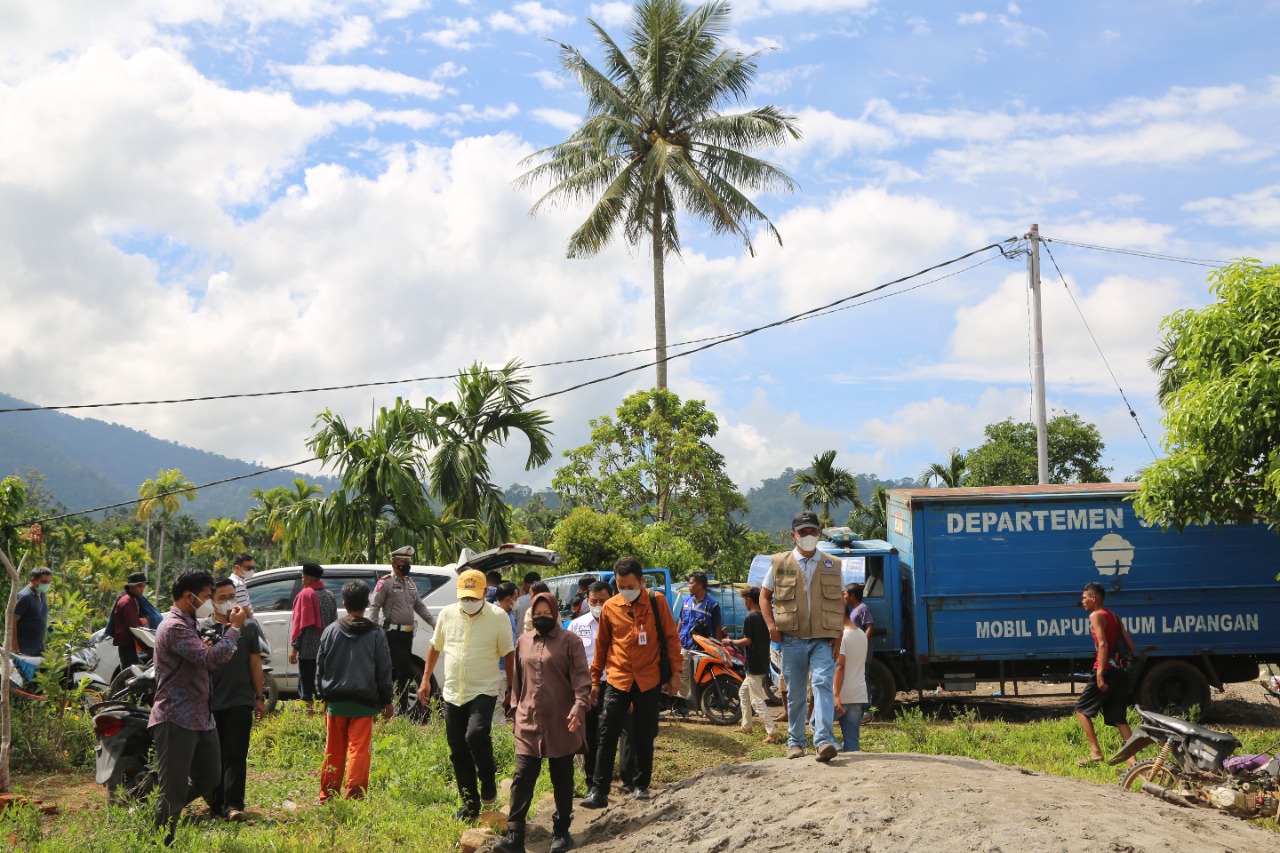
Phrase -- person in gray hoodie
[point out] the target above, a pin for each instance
(353, 678)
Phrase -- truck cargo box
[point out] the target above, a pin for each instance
(996, 574)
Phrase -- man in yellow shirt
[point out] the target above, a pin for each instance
(474, 635)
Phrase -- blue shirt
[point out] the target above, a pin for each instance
(32, 610)
(699, 618)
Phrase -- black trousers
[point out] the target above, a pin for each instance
(128, 655)
(643, 708)
(626, 750)
(189, 765)
(528, 767)
(466, 728)
(234, 727)
(400, 643)
(307, 678)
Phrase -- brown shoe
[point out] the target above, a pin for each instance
(237, 816)
(826, 752)
(795, 752)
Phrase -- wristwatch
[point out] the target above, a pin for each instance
(259, 698)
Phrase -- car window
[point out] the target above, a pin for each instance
(276, 594)
(334, 579)
(428, 584)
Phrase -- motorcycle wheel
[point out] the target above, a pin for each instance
(720, 701)
(407, 704)
(772, 696)
(130, 781)
(1145, 771)
(270, 690)
(91, 696)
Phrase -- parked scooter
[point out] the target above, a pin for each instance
(717, 677)
(1194, 769)
(78, 671)
(137, 683)
(125, 753)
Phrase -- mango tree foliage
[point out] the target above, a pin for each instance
(653, 463)
(1008, 456)
(1221, 371)
(591, 541)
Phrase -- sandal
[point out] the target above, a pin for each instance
(1085, 762)
(773, 738)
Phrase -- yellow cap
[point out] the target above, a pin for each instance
(471, 584)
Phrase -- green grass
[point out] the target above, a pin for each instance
(412, 795)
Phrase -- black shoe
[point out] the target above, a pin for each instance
(512, 842)
(466, 814)
(597, 799)
(561, 841)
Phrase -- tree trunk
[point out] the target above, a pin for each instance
(659, 290)
(160, 559)
(6, 733)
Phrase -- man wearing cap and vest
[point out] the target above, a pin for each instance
(802, 599)
(396, 600)
(473, 634)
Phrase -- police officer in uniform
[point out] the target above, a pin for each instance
(395, 601)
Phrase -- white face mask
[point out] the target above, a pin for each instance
(807, 543)
(629, 594)
(596, 610)
(205, 610)
(224, 607)
(246, 574)
(471, 606)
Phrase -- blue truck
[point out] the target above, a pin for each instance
(984, 584)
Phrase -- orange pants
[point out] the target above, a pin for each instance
(346, 752)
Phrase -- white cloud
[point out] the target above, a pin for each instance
(919, 25)
(969, 18)
(455, 34)
(611, 15)
(940, 423)
(746, 10)
(759, 441)
(353, 33)
(530, 17)
(559, 119)
(342, 79)
(548, 79)
(1257, 210)
(828, 136)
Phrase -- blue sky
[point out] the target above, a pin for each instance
(212, 197)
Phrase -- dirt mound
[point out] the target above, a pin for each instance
(877, 802)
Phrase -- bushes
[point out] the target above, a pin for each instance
(47, 738)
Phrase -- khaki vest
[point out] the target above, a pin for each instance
(820, 613)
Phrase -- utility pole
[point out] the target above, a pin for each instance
(1037, 332)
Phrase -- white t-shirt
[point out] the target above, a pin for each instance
(853, 648)
(808, 565)
(585, 627)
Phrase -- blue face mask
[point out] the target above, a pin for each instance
(44, 587)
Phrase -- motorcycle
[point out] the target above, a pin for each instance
(1194, 768)
(78, 672)
(137, 683)
(125, 753)
(717, 678)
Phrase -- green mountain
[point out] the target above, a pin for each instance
(772, 506)
(88, 463)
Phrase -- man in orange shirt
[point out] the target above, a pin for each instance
(636, 642)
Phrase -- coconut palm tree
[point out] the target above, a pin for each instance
(825, 485)
(871, 520)
(163, 497)
(950, 473)
(489, 408)
(654, 141)
(274, 511)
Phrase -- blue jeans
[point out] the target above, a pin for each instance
(851, 725)
(809, 663)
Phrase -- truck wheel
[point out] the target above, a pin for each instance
(720, 701)
(1174, 687)
(884, 689)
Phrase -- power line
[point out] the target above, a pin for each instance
(446, 376)
(1200, 262)
(1098, 346)
(821, 310)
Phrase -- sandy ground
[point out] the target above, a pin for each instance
(877, 802)
(936, 804)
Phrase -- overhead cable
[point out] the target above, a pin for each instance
(1200, 262)
(819, 311)
(1098, 346)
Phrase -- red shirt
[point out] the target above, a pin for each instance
(1111, 626)
(126, 616)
